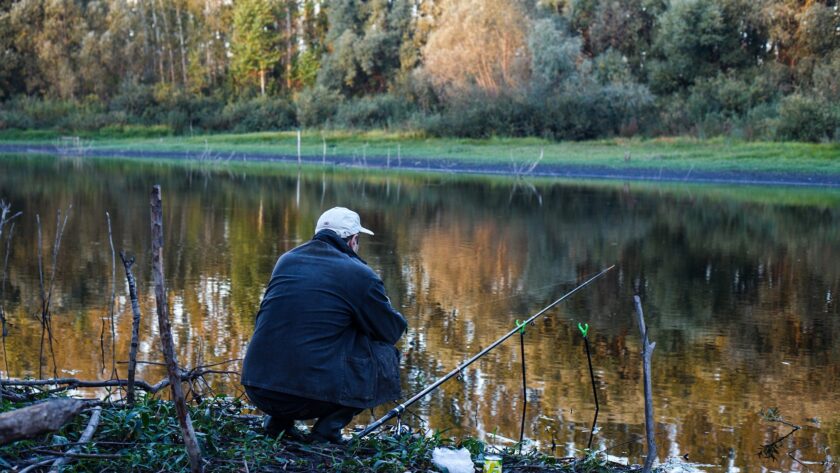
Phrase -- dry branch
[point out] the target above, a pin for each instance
(112, 301)
(46, 293)
(74, 383)
(30, 421)
(135, 324)
(4, 331)
(93, 423)
(647, 352)
(190, 440)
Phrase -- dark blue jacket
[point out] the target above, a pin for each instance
(325, 329)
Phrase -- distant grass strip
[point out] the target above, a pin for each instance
(674, 154)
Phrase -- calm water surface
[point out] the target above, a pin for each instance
(740, 287)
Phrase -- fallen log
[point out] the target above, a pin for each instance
(93, 423)
(31, 421)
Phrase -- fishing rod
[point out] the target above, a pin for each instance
(400, 408)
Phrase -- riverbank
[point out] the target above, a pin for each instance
(663, 159)
(146, 437)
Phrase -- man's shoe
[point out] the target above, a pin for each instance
(333, 439)
(328, 428)
(275, 428)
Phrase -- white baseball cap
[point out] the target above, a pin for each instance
(342, 221)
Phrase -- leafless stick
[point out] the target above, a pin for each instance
(37, 465)
(168, 347)
(46, 293)
(5, 330)
(74, 383)
(101, 456)
(43, 297)
(298, 148)
(135, 324)
(102, 344)
(93, 423)
(647, 352)
(113, 299)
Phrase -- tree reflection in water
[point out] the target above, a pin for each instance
(737, 283)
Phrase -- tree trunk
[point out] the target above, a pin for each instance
(158, 50)
(262, 82)
(165, 329)
(181, 40)
(168, 36)
(289, 46)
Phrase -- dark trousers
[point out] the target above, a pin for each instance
(284, 409)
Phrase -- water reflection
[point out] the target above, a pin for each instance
(739, 287)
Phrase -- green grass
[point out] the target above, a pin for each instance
(681, 153)
(147, 438)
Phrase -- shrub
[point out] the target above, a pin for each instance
(805, 118)
(134, 100)
(260, 114)
(316, 106)
(378, 111)
(476, 114)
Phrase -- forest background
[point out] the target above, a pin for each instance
(559, 69)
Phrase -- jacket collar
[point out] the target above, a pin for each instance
(331, 238)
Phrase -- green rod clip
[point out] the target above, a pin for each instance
(520, 326)
(584, 329)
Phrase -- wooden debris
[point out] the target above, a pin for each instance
(190, 440)
(31, 421)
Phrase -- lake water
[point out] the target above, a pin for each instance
(740, 286)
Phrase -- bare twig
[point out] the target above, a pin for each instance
(168, 347)
(93, 423)
(135, 324)
(112, 301)
(75, 383)
(4, 331)
(46, 291)
(101, 456)
(37, 465)
(647, 352)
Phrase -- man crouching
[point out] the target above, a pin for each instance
(323, 346)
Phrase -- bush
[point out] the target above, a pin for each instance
(476, 114)
(316, 106)
(260, 114)
(594, 111)
(805, 118)
(134, 100)
(378, 111)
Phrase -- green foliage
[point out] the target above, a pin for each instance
(260, 114)
(379, 111)
(554, 53)
(147, 438)
(698, 38)
(805, 118)
(254, 45)
(316, 106)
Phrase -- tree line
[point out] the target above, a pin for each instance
(563, 69)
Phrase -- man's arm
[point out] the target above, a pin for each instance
(378, 319)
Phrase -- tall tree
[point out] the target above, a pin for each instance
(481, 43)
(364, 41)
(254, 45)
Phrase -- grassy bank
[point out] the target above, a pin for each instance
(674, 154)
(147, 437)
